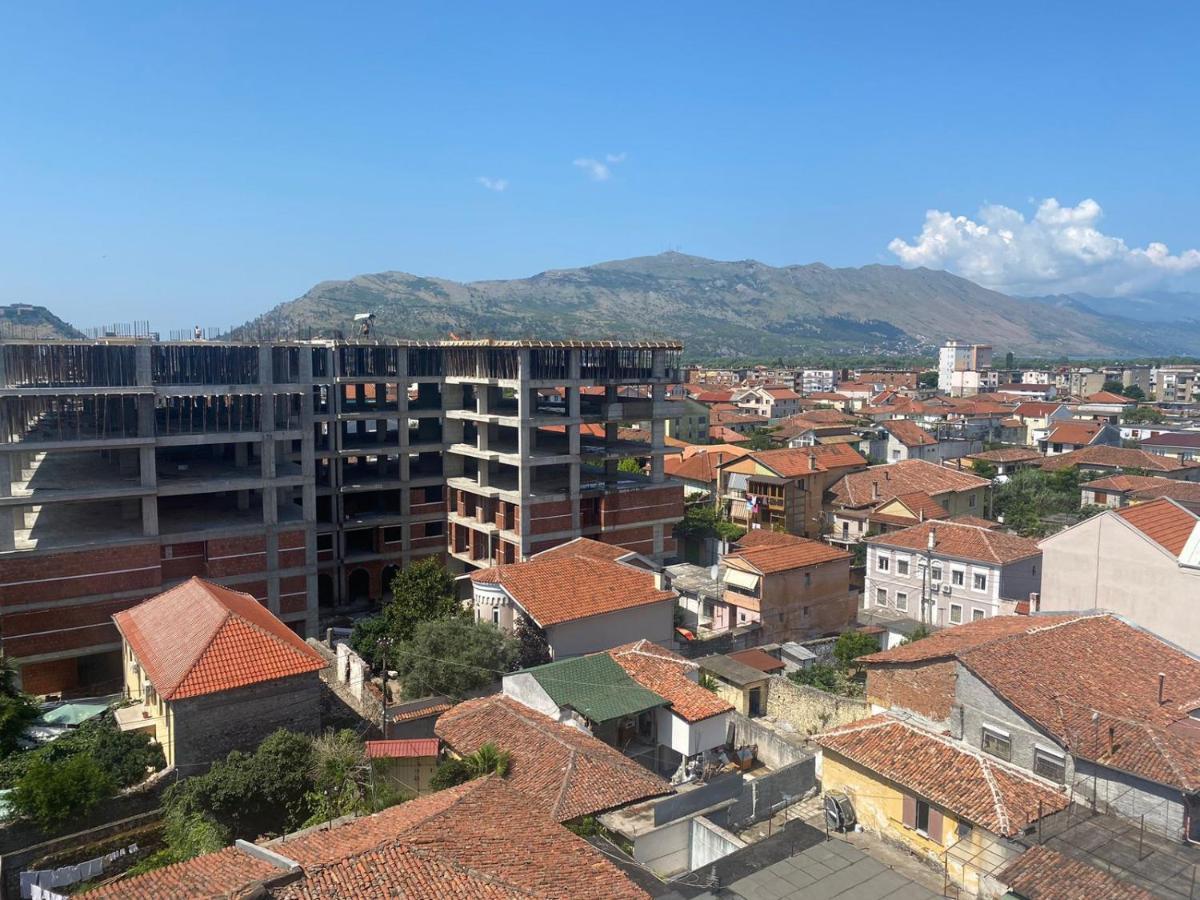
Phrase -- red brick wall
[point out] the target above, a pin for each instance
(185, 561)
(547, 518)
(236, 556)
(63, 627)
(79, 573)
(631, 507)
(927, 689)
(50, 677)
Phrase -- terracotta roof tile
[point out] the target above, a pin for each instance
(1075, 433)
(1044, 874)
(771, 558)
(1163, 521)
(201, 638)
(1001, 798)
(1116, 457)
(722, 434)
(918, 503)
(765, 537)
(1184, 440)
(582, 546)
(1006, 455)
(563, 588)
(1109, 397)
(666, 674)
(402, 749)
(557, 767)
(790, 463)
(950, 642)
(701, 466)
(411, 714)
(909, 433)
(962, 541)
(758, 659)
(855, 489)
(1036, 409)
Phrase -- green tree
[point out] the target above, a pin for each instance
(17, 710)
(339, 775)
(700, 520)
(983, 469)
(1144, 415)
(453, 657)
(629, 464)
(51, 793)
(533, 645)
(449, 773)
(760, 439)
(489, 759)
(928, 379)
(850, 645)
(1133, 392)
(421, 592)
(818, 675)
(918, 633)
(1031, 496)
(708, 682)
(1112, 387)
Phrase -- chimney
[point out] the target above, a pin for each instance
(1162, 685)
(874, 490)
(921, 515)
(932, 542)
(887, 476)
(812, 460)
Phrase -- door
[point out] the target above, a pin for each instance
(756, 701)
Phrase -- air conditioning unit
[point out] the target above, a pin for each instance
(946, 589)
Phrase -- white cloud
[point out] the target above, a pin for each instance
(493, 184)
(1060, 249)
(600, 170)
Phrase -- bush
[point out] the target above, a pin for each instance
(450, 773)
(852, 644)
(453, 657)
(51, 793)
(818, 675)
(125, 756)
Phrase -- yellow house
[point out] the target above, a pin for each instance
(209, 670)
(946, 802)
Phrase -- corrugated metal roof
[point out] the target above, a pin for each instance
(596, 687)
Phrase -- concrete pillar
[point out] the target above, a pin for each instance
(658, 433)
(150, 516)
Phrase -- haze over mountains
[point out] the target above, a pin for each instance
(731, 309)
(742, 308)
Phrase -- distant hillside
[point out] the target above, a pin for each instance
(22, 320)
(741, 308)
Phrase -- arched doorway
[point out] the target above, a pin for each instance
(385, 582)
(360, 586)
(325, 591)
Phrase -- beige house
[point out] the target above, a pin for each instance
(1141, 562)
(210, 670)
(687, 420)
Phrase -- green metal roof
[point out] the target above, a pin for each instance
(75, 712)
(595, 686)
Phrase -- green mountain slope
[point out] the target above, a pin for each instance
(718, 308)
(25, 321)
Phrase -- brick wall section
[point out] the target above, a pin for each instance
(927, 689)
(548, 518)
(809, 710)
(49, 677)
(208, 727)
(25, 634)
(236, 556)
(631, 507)
(112, 570)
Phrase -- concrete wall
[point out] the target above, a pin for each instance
(810, 710)
(684, 846)
(710, 842)
(524, 688)
(690, 738)
(1131, 798)
(766, 795)
(1102, 563)
(776, 748)
(208, 727)
(654, 622)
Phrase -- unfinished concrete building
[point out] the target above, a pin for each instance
(305, 474)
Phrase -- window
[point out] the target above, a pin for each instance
(882, 563)
(1050, 765)
(955, 613)
(901, 601)
(996, 742)
(971, 501)
(935, 571)
(957, 577)
(980, 581)
(881, 597)
(977, 614)
(805, 611)
(808, 579)
(495, 615)
(922, 821)
(324, 542)
(902, 567)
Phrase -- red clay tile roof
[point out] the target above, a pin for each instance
(563, 588)
(1044, 874)
(782, 393)
(1185, 493)
(1005, 455)
(410, 715)
(582, 546)
(1129, 482)
(764, 537)
(790, 463)
(1108, 397)
(714, 396)
(757, 659)
(1184, 440)
(820, 417)
(201, 638)
(1098, 665)
(700, 466)
(771, 558)
(961, 541)
(209, 876)
(559, 768)
(950, 642)
(723, 435)
(918, 503)
(735, 417)
(1075, 433)
(909, 433)
(1163, 521)
(666, 673)
(974, 520)
(998, 797)
(1114, 457)
(402, 749)
(1036, 409)
(907, 476)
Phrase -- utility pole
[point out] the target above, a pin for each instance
(386, 644)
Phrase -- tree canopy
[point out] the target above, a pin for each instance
(700, 520)
(421, 592)
(453, 657)
(1031, 496)
(852, 644)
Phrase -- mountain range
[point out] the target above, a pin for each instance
(745, 309)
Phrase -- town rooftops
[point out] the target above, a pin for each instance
(792, 463)
(856, 488)
(961, 541)
(1116, 457)
(950, 642)
(918, 503)
(702, 467)
(1005, 455)
(981, 789)
(482, 839)
(724, 435)
(403, 749)
(1182, 440)
(732, 670)
(568, 586)
(758, 659)
(201, 638)
(909, 433)
(666, 673)
(1171, 526)
(1108, 397)
(768, 559)
(582, 546)
(594, 686)
(765, 537)
(1044, 874)
(1036, 409)
(1075, 432)
(558, 768)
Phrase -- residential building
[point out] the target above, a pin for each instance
(640, 699)
(406, 766)
(1106, 406)
(561, 770)
(1044, 872)
(958, 356)
(742, 685)
(210, 670)
(1005, 460)
(769, 402)
(908, 440)
(1066, 437)
(926, 489)
(1116, 491)
(686, 420)
(304, 473)
(1039, 416)
(1116, 460)
(484, 838)
(586, 596)
(1021, 392)
(1130, 376)
(1182, 445)
(785, 488)
(1140, 561)
(793, 587)
(700, 469)
(906, 379)
(948, 573)
(1178, 385)
(813, 380)
(1110, 714)
(736, 419)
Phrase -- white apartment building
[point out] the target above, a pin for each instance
(816, 380)
(959, 356)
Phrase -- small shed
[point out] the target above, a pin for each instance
(405, 765)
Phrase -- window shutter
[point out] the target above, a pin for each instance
(935, 825)
(910, 811)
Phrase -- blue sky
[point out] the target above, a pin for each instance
(204, 161)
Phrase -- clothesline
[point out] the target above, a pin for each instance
(42, 879)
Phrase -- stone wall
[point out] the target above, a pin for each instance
(809, 710)
(348, 677)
